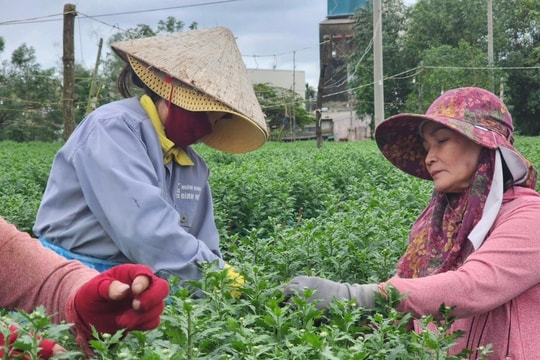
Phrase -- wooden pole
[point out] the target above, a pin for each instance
(318, 111)
(68, 59)
(92, 96)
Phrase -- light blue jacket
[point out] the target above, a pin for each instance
(110, 196)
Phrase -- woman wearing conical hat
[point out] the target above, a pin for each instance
(475, 247)
(127, 186)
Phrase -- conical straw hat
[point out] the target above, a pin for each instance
(207, 73)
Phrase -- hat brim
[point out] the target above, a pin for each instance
(235, 134)
(399, 140)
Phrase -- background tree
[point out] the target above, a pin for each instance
(521, 56)
(83, 82)
(449, 67)
(396, 65)
(170, 25)
(112, 64)
(436, 45)
(29, 97)
(450, 39)
(280, 105)
(440, 22)
(311, 95)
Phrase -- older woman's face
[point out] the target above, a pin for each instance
(451, 158)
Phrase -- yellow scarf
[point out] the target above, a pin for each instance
(169, 150)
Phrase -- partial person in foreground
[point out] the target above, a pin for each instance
(128, 187)
(126, 297)
(476, 246)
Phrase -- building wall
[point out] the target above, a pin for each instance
(281, 78)
(335, 35)
(348, 126)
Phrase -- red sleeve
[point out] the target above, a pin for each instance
(31, 275)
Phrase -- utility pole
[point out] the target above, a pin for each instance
(293, 111)
(92, 98)
(318, 111)
(378, 63)
(69, 70)
(490, 44)
(421, 88)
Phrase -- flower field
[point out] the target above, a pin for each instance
(341, 212)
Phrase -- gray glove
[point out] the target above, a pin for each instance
(326, 291)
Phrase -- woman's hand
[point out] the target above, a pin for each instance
(127, 296)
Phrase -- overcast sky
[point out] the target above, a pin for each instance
(276, 34)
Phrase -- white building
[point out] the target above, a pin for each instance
(281, 78)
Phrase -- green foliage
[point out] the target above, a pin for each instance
(450, 67)
(29, 106)
(25, 169)
(31, 328)
(439, 22)
(396, 58)
(341, 212)
(279, 104)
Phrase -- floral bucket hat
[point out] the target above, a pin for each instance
(473, 112)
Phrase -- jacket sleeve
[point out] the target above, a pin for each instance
(31, 275)
(506, 265)
(120, 186)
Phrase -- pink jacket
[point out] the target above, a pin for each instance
(497, 290)
(31, 275)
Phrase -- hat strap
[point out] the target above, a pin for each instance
(168, 80)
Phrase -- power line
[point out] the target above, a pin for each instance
(38, 19)
(167, 8)
(42, 18)
(483, 67)
(46, 18)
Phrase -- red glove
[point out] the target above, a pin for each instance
(46, 346)
(134, 305)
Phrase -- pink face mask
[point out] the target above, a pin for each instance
(184, 127)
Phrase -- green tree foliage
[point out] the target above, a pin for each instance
(459, 30)
(450, 40)
(394, 24)
(280, 105)
(170, 25)
(436, 45)
(440, 22)
(112, 65)
(449, 67)
(83, 82)
(522, 58)
(30, 108)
